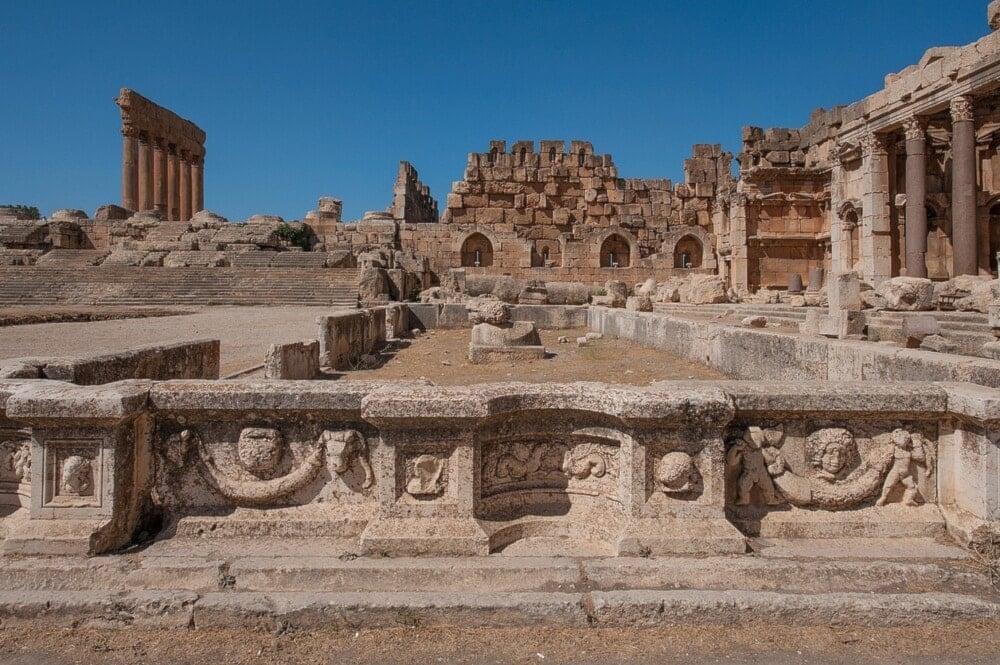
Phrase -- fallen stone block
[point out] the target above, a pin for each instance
(639, 304)
(754, 321)
(297, 360)
(939, 344)
(916, 328)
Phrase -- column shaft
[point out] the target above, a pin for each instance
(874, 244)
(130, 176)
(963, 187)
(197, 185)
(172, 194)
(916, 198)
(185, 187)
(159, 175)
(145, 174)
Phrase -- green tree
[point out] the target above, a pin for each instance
(25, 212)
(299, 237)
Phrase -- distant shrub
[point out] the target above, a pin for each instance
(299, 237)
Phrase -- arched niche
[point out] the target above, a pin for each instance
(615, 251)
(688, 252)
(477, 251)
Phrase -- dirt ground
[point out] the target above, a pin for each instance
(442, 357)
(962, 643)
(246, 332)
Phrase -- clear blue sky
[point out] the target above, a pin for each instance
(309, 99)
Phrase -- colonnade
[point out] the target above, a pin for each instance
(963, 191)
(158, 174)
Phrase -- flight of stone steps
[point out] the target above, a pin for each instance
(125, 285)
(783, 314)
(969, 330)
(314, 582)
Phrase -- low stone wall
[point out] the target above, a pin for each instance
(454, 315)
(295, 360)
(745, 353)
(410, 468)
(197, 359)
(345, 337)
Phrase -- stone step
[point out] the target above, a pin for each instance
(259, 611)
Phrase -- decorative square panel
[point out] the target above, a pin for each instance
(73, 473)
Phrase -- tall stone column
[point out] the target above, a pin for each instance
(130, 174)
(184, 190)
(172, 193)
(159, 175)
(916, 197)
(197, 184)
(963, 186)
(145, 173)
(875, 243)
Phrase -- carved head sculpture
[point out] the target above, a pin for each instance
(259, 449)
(831, 450)
(902, 439)
(343, 448)
(676, 472)
(425, 475)
(77, 476)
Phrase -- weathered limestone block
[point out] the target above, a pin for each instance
(938, 343)
(639, 303)
(373, 284)
(669, 291)
(841, 324)
(567, 293)
(296, 360)
(439, 294)
(534, 293)
(344, 338)
(907, 294)
(966, 293)
(993, 15)
(618, 291)
(844, 292)
(647, 288)
(916, 328)
(754, 322)
(703, 290)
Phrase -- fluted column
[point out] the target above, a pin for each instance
(145, 173)
(963, 186)
(916, 197)
(184, 179)
(172, 193)
(130, 175)
(159, 175)
(197, 184)
(875, 244)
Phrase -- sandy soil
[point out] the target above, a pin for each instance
(695, 645)
(244, 333)
(442, 357)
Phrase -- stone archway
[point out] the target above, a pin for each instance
(477, 251)
(616, 252)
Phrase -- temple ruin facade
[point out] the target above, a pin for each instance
(163, 159)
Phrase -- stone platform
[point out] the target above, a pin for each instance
(321, 582)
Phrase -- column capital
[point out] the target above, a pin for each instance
(915, 128)
(961, 108)
(159, 143)
(873, 144)
(130, 131)
(184, 154)
(172, 149)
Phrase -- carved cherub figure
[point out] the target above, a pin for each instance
(758, 457)
(908, 449)
(20, 463)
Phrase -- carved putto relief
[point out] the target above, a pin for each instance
(757, 456)
(676, 473)
(836, 475)
(423, 476)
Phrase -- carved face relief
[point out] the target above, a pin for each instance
(424, 476)
(76, 477)
(260, 449)
(676, 472)
(831, 451)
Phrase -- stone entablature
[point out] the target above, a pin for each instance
(163, 157)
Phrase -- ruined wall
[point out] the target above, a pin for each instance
(412, 202)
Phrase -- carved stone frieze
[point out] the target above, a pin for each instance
(15, 456)
(834, 474)
(677, 473)
(73, 473)
(344, 449)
